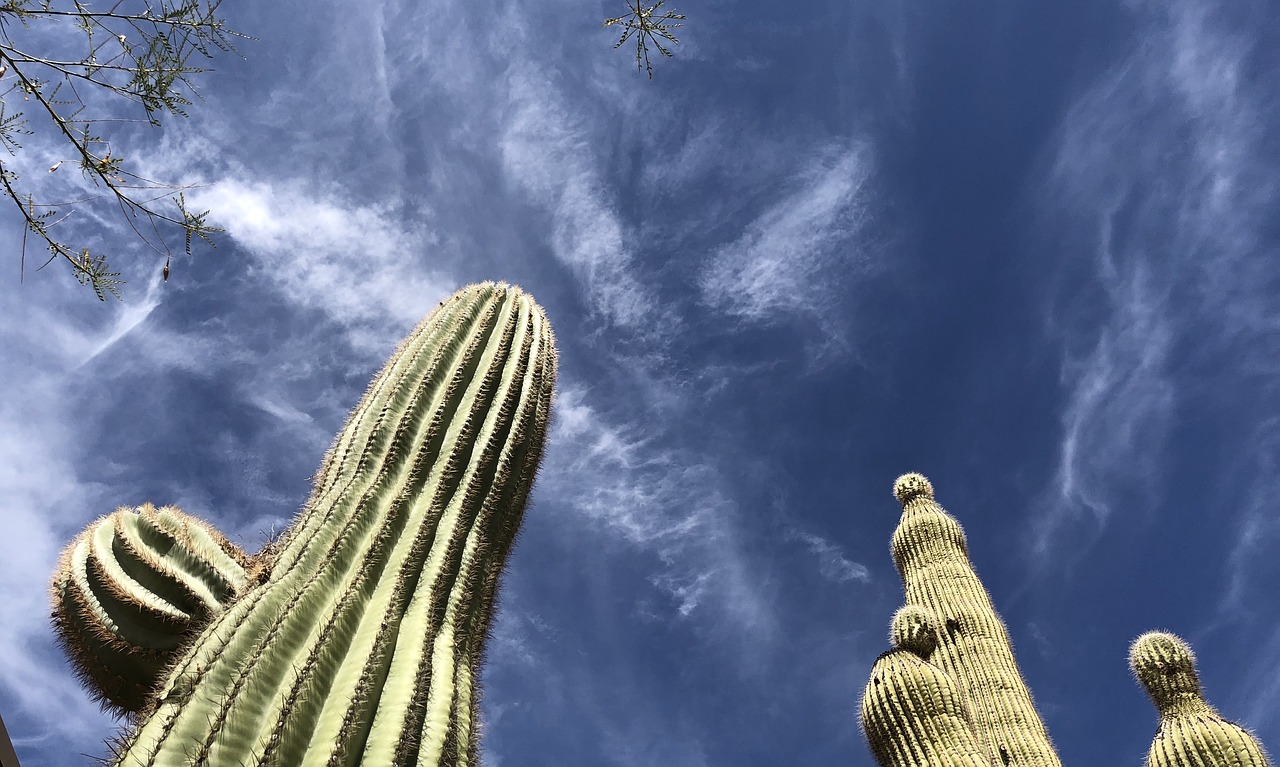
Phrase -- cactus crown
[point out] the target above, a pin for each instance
(912, 629)
(1166, 668)
(911, 486)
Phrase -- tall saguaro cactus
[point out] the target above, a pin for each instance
(949, 694)
(930, 552)
(362, 643)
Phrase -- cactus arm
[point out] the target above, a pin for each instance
(930, 552)
(913, 714)
(361, 643)
(150, 558)
(1192, 733)
(131, 590)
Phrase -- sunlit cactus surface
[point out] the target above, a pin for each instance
(1191, 732)
(359, 638)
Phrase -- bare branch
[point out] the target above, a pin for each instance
(135, 51)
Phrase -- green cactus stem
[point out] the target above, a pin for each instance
(931, 555)
(133, 589)
(913, 714)
(1191, 734)
(363, 642)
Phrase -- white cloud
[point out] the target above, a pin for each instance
(550, 153)
(661, 501)
(794, 258)
(1162, 157)
(47, 498)
(1258, 691)
(1118, 409)
(355, 261)
(832, 563)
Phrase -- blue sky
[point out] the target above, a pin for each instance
(1027, 249)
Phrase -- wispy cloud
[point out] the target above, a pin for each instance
(1117, 412)
(1258, 685)
(1163, 160)
(356, 261)
(551, 154)
(832, 563)
(630, 486)
(46, 497)
(783, 263)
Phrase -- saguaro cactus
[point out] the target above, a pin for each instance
(362, 643)
(930, 552)
(132, 590)
(953, 697)
(1191, 732)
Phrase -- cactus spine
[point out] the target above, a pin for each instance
(1191, 732)
(362, 643)
(132, 589)
(930, 552)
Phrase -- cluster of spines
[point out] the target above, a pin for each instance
(362, 642)
(132, 590)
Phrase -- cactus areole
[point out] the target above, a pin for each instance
(362, 642)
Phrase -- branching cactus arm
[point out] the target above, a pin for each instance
(913, 714)
(132, 590)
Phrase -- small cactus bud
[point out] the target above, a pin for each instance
(910, 486)
(912, 629)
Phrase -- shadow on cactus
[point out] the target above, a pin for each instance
(360, 642)
(950, 693)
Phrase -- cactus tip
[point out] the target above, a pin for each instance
(1165, 666)
(910, 486)
(912, 629)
